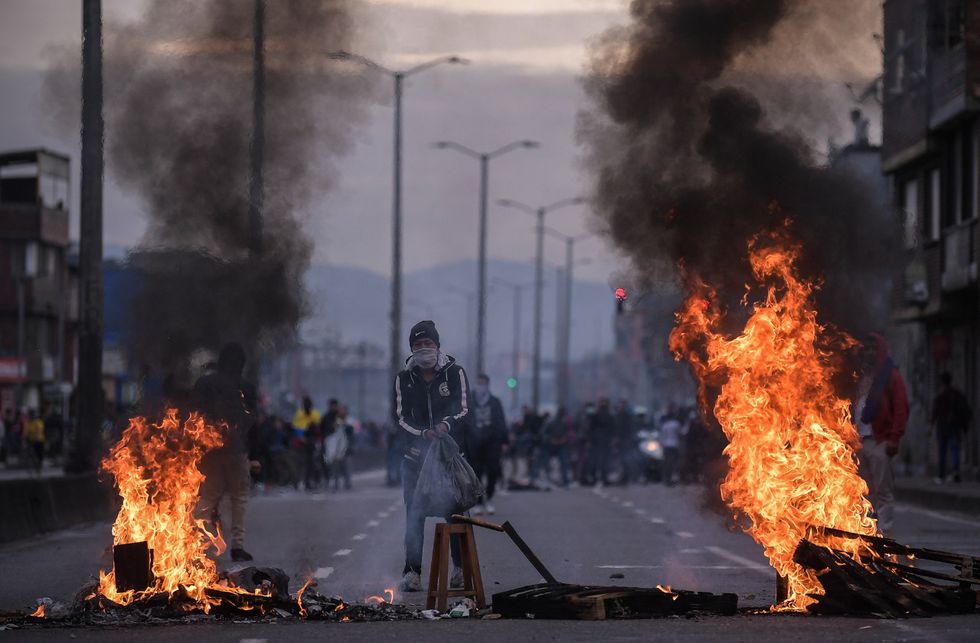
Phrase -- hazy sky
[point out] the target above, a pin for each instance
(522, 83)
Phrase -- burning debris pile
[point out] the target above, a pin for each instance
(793, 480)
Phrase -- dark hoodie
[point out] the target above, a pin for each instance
(887, 407)
(421, 405)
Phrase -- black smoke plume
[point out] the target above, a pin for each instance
(179, 131)
(697, 121)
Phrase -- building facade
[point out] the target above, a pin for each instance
(930, 103)
(38, 309)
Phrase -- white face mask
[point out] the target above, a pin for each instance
(426, 357)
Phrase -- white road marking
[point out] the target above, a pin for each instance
(720, 567)
(359, 537)
(690, 551)
(639, 511)
(342, 552)
(685, 534)
(322, 573)
(744, 562)
(627, 503)
(939, 515)
(253, 640)
(382, 514)
(373, 523)
(657, 521)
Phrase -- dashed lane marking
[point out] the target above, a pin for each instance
(657, 521)
(691, 551)
(382, 514)
(685, 534)
(938, 515)
(322, 573)
(373, 523)
(718, 567)
(639, 511)
(359, 537)
(627, 503)
(766, 570)
(342, 552)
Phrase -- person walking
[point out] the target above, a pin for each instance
(34, 440)
(430, 396)
(881, 412)
(336, 447)
(484, 443)
(306, 423)
(225, 396)
(601, 435)
(951, 416)
(555, 439)
(670, 440)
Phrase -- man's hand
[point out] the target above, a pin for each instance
(891, 449)
(443, 426)
(429, 434)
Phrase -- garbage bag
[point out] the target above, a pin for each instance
(447, 483)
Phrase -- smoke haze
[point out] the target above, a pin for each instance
(178, 104)
(703, 113)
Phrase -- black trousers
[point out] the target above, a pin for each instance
(484, 457)
(415, 522)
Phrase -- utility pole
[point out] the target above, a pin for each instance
(481, 272)
(559, 332)
(538, 296)
(395, 317)
(89, 392)
(538, 280)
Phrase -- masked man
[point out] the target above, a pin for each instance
(430, 397)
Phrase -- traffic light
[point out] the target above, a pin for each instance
(511, 383)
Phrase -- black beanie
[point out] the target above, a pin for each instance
(423, 329)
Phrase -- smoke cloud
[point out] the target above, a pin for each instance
(703, 114)
(179, 87)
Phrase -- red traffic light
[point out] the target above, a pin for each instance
(621, 294)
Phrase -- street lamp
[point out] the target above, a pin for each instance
(538, 278)
(396, 241)
(481, 279)
(516, 350)
(565, 310)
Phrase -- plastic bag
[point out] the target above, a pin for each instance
(447, 483)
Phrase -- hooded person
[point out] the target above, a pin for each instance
(486, 438)
(881, 412)
(430, 397)
(223, 395)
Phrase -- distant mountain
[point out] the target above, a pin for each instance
(354, 303)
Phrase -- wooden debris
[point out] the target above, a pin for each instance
(563, 601)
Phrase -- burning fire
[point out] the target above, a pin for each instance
(39, 612)
(792, 445)
(156, 468)
(389, 597)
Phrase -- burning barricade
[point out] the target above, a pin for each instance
(793, 478)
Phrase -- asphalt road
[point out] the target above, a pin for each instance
(351, 541)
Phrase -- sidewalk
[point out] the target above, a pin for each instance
(50, 470)
(963, 497)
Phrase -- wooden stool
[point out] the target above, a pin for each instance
(439, 591)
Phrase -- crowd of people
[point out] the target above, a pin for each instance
(28, 438)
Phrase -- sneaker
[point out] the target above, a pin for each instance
(411, 582)
(489, 509)
(476, 510)
(238, 555)
(456, 580)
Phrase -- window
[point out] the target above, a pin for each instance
(898, 76)
(947, 22)
(935, 204)
(910, 208)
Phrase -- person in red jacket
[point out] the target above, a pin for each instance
(881, 413)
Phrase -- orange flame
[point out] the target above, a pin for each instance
(791, 450)
(156, 468)
(389, 597)
(39, 612)
(299, 595)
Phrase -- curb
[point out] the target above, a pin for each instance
(29, 507)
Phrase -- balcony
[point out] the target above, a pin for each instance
(959, 256)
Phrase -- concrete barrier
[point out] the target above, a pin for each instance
(29, 507)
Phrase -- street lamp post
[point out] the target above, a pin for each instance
(396, 241)
(565, 311)
(518, 293)
(538, 280)
(481, 278)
